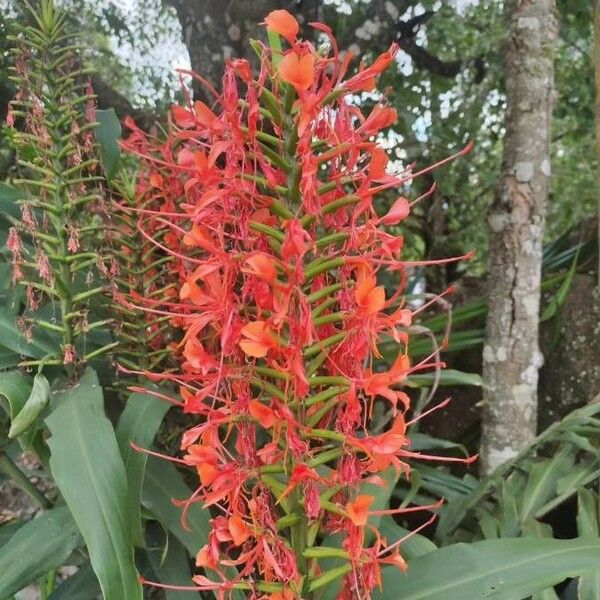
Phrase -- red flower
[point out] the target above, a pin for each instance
(272, 238)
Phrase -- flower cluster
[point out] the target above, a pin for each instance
(269, 204)
(56, 244)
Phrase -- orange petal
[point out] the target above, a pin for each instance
(283, 23)
(399, 211)
(262, 266)
(375, 301)
(379, 161)
(263, 414)
(401, 366)
(299, 72)
(238, 529)
(207, 473)
(182, 116)
(203, 114)
(254, 349)
(254, 330)
(358, 510)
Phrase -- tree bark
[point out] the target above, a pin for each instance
(511, 356)
(216, 30)
(597, 77)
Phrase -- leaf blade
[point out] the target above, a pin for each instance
(36, 548)
(502, 569)
(138, 423)
(94, 486)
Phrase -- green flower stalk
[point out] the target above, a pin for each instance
(56, 244)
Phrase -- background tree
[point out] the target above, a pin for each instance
(511, 356)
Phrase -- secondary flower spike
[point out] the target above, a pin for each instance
(277, 242)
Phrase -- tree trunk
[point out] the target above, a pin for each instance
(511, 356)
(597, 74)
(216, 30)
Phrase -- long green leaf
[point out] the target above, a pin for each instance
(38, 398)
(502, 569)
(9, 196)
(172, 567)
(15, 387)
(8, 530)
(13, 338)
(138, 423)
(542, 480)
(36, 548)
(87, 466)
(163, 484)
(414, 546)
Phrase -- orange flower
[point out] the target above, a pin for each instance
(358, 509)
(262, 266)
(283, 23)
(262, 413)
(369, 297)
(259, 339)
(200, 114)
(379, 384)
(298, 71)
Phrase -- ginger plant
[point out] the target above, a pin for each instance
(277, 246)
(56, 245)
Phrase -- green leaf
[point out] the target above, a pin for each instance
(559, 298)
(37, 547)
(83, 585)
(138, 423)
(163, 484)
(171, 568)
(108, 134)
(8, 200)
(588, 587)
(8, 359)
(13, 338)
(502, 569)
(542, 480)
(446, 377)
(90, 474)
(38, 398)
(414, 546)
(532, 527)
(15, 387)
(8, 530)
